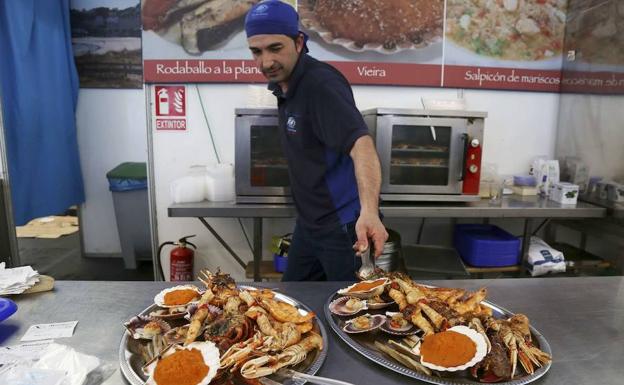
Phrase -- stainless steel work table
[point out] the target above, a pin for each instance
(582, 318)
(528, 208)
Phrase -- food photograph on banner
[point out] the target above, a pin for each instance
(510, 44)
(374, 42)
(588, 67)
(377, 42)
(197, 41)
(106, 39)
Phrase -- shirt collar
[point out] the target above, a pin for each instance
(294, 80)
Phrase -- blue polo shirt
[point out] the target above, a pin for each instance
(319, 124)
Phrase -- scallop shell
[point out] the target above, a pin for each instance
(209, 352)
(159, 299)
(137, 324)
(169, 314)
(338, 307)
(377, 290)
(478, 339)
(378, 305)
(193, 308)
(172, 336)
(407, 330)
(376, 321)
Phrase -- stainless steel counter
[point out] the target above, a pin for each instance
(511, 207)
(582, 318)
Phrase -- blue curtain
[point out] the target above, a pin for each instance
(39, 85)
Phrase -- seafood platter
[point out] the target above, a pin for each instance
(435, 334)
(222, 333)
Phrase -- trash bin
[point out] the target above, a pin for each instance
(128, 183)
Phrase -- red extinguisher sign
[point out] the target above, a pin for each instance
(170, 107)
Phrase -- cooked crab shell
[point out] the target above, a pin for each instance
(143, 327)
(192, 295)
(345, 306)
(365, 289)
(354, 325)
(209, 356)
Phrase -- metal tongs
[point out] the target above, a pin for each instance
(368, 263)
(290, 374)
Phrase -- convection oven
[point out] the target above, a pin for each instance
(428, 155)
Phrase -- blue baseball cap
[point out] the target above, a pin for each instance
(273, 17)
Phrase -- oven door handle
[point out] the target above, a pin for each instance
(464, 138)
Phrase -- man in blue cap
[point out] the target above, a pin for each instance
(334, 169)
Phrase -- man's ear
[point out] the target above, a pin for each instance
(299, 43)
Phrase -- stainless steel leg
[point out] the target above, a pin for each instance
(257, 248)
(222, 242)
(526, 238)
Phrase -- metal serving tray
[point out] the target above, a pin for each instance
(364, 344)
(131, 362)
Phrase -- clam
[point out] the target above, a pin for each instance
(365, 289)
(345, 306)
(186, 295)
(143, 327)
(406, 330)
(364, 323)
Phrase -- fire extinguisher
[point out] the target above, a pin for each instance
(180, 260)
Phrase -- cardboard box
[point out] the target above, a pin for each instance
(564, 193)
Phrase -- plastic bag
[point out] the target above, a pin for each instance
(543, 259)
(57, 365)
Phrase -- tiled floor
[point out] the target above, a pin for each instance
(61, 259)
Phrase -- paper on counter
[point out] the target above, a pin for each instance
(27, 350)
(16, 280)
(50, 331)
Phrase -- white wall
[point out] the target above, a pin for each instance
(520, 125)
(111, 130)
(592, 128)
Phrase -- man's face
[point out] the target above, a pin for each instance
(275, 55)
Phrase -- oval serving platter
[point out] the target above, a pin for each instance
(364, 345)
(130, 362)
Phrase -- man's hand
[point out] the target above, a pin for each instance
(369, 226)
(368, 177)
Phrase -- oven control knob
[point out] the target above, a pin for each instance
(475, 143)
(473, 168)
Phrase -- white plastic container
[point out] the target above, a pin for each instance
(564, 193)
(190, 188)
(220, 183)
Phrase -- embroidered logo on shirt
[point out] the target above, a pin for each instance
(291, 124)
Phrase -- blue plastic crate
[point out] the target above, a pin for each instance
(486, 245)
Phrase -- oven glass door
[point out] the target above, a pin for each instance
(261, 167)
(268, 164)
(421, 155)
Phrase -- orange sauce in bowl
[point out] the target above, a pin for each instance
(184, 367)
(180, 297)
(447, 349)
(366, 285)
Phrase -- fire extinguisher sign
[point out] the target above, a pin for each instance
(170, 103)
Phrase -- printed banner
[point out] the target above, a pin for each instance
(512, 45)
